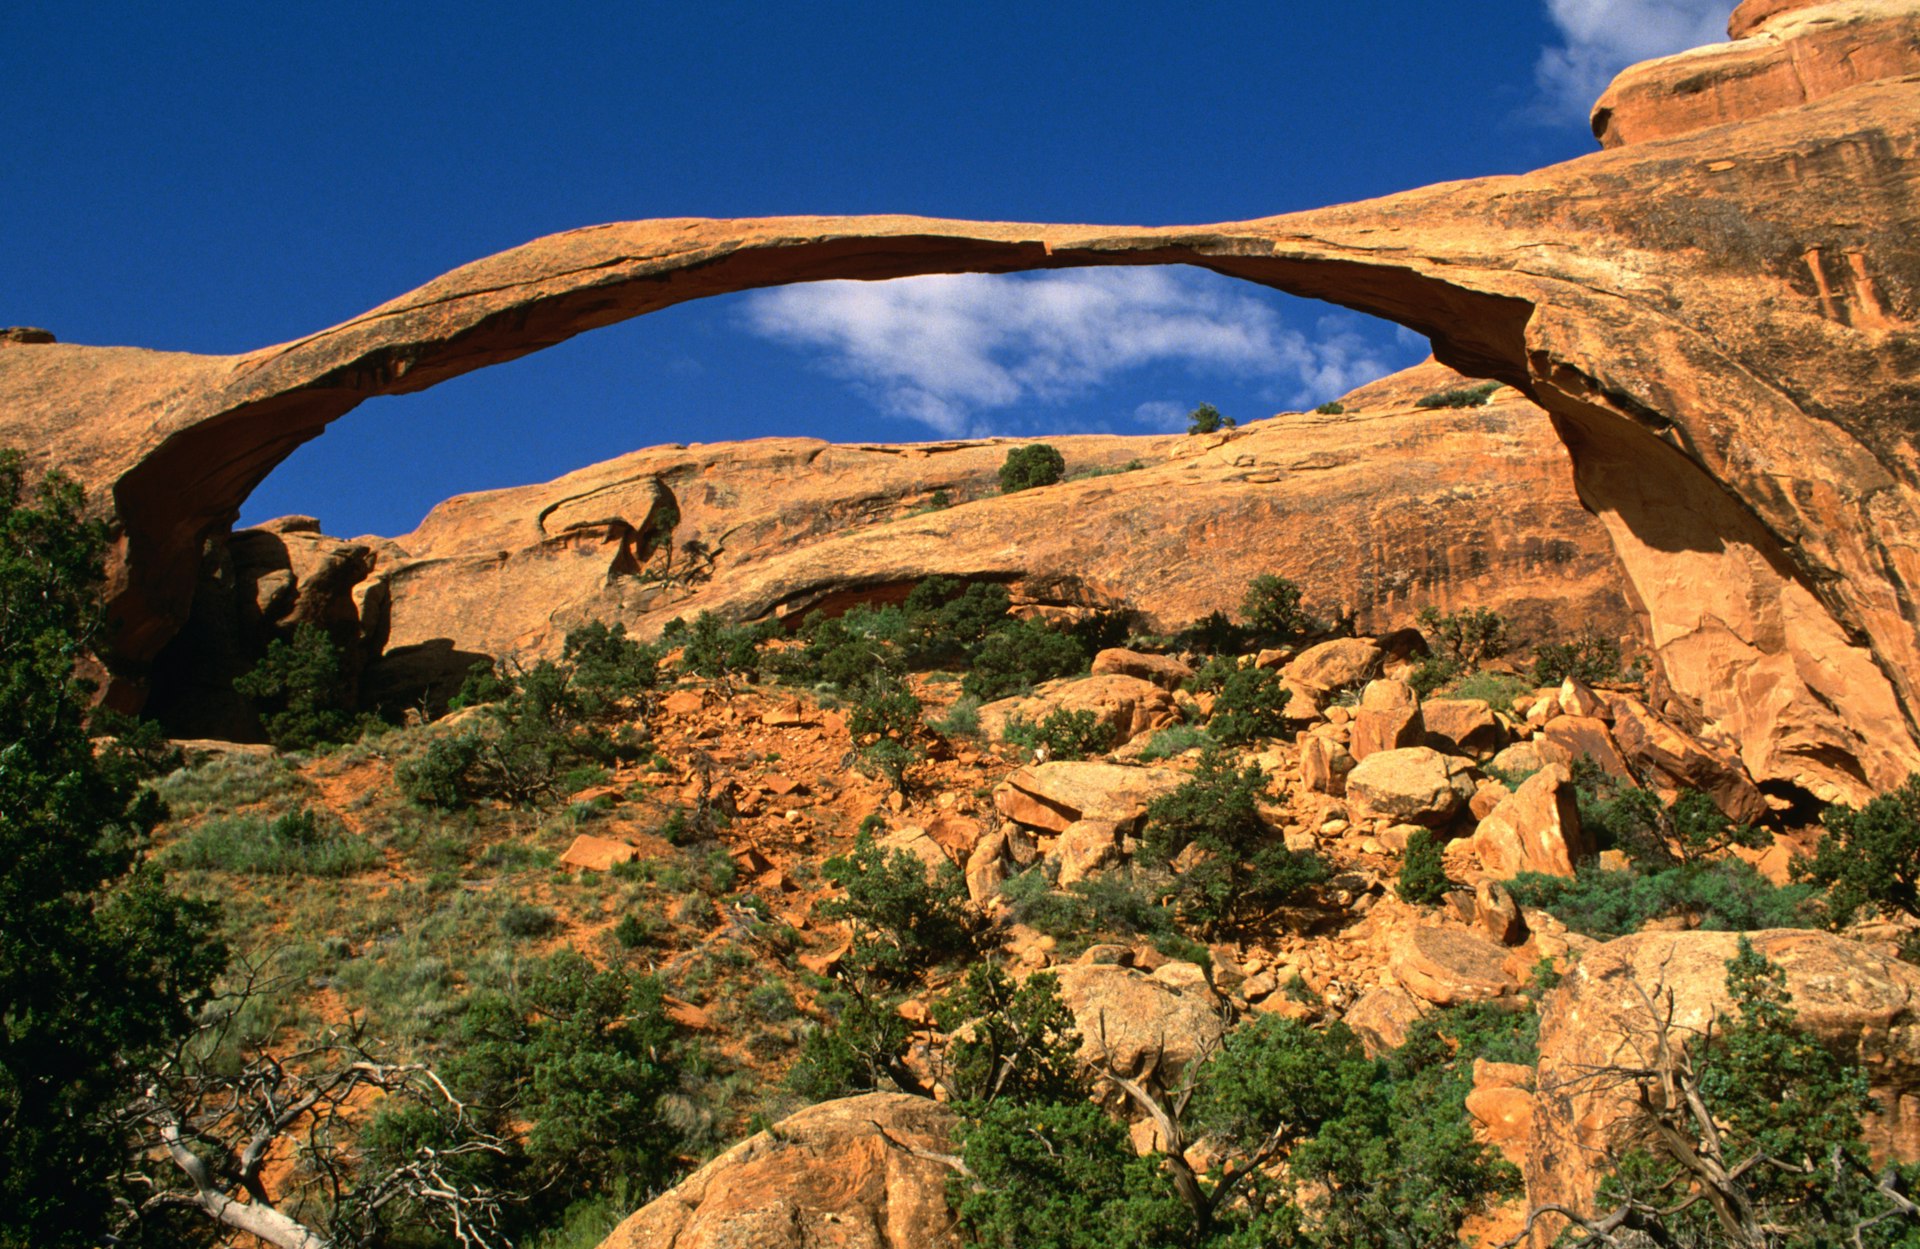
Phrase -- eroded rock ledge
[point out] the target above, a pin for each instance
(1721, 323)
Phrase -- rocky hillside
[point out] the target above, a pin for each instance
(1377, 512)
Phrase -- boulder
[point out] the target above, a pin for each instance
(1164, 671)
(1415, 785)
(1444, 965)
(1497, 914)
(1324, 765)
(1051, 796)
(1382, 1016)
(917, 842)
(854, 1173)
(1525, 758)
(1388, 719)
(1127, 705)
(1501, 1104)
(1683, 762)
(1586, 735)
(1335, 665)
(597, 854)
(1535, 829)
(1137, 1022)
(1576, 698)
(987, 868)
(1857, 1002)
(1085, 847)
(1463, 726)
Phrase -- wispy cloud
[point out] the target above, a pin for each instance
(1602, 37)
(964, 354)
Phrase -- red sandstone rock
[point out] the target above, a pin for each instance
(1537, 829)
(1388, 719)
(1719, 322)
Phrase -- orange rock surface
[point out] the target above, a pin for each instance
(1721, 324)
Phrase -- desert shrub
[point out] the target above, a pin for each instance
(884, 706)
(1177, 740)
(1016, 657)
(1036, 464)
(1423, 875)
(1065, 734)
(1470, 636)
(887, 759)
(1333, 407)
(1212, 634)
(634, 931)
(1240, 868)
(1496, 689)
(839, 650)
(1060, 1175)
(229, 782)
(904, 917)
(1869, 857)
(1251, 705)
(522, 919)
(1206, 419)
(1724, 895)
(609, 667)
(857, 1052)
(1787, 1110)
(579, 1060)
(1460, 397)
(1273, 611)
(304, 690)
(484, 683)
(1110, 905)
(710, 647)
(947, 618)
(297, 843)
(1590, 657)
(1009, 1041)
(771, 1002)
(961, 720)
(1652, 832)
(1432, 674)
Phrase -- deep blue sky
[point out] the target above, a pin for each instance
(216, 177)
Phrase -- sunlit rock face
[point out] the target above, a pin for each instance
(1719, 319)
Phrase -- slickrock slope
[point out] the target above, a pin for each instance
(1377, 512)
(1721, 324)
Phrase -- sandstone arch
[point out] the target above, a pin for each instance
(1721, 324)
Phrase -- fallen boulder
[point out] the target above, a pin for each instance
(1051, 796)
(853, 1173)
(1534, 829)
(1415, 785)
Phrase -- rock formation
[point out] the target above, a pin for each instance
(1720, 321)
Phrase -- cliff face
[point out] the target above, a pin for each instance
(1720, 322)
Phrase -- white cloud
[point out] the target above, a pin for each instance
(949, 350)
(1603, 37)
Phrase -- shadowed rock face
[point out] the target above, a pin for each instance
(1720, 323)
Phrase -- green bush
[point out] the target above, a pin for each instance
(1015, 1042)
(1724, 895)
(1016, 657)
(1213, 634)
(1423, 874)
(1470, 636)
(1034, 465)
(858, 1052)
(305, 688)
(1591, 657)
(1461, 397)
(1169, 743)
(1206, 419)
(1273, 611)
(1110, 906)
(710, 647)
(1251, 705)
(961, 720)
(1332, 407)
(1065, 734)
(1869, 857)
(905, 918)
(1784, 1131)
(294, 844)
(522, 919)
(1241, 868)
